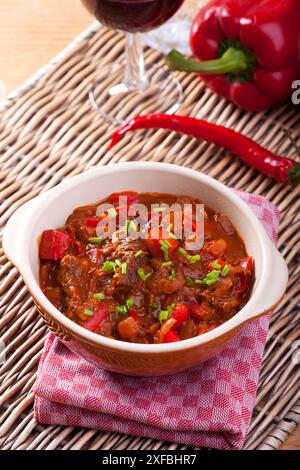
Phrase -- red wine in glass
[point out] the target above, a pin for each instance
(157, 89)
(133, 15)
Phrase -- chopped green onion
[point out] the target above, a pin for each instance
(193, 258)
(109, 266)
(190, 258)
(138, 253)
(182, 251)
(165, 248)
(155, 305)
(159, 209)
(210, 278)
(215, 265)
(172, 275)
(95, 240)
(189, 281)
(168, 244)
(99, 296)
(166, 263)
(126, 226)
(164, 314)
(124, 268)
(121, 310)
(129, 303)
(225, 270)
(142, 274)
(171, 235)
(169, 227)
(88, 312)
(112, 212)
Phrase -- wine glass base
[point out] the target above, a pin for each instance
(116, 102)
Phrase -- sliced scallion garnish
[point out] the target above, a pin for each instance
(95, 240)
(172, 275)
(99, 296)
(225, 270)
(88, 312)
(141, 273)
(164, 314)
(109, 266)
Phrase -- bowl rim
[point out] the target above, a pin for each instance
(90, 337)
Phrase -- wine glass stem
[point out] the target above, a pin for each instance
(135, 75)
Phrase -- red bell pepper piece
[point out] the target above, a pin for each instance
(171, 337)
(282, 169)
(155, 247)
(248, 50)
(53, 245)
(133, 314)
(94, 322)
(181, 313)
(131, 197)
(92, 221)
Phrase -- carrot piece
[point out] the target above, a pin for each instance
(217, 247)
(128, 328)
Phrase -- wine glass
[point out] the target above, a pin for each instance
(124, 90)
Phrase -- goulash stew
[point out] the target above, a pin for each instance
(145, 290)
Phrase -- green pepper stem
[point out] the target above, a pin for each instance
(294, 174)
(232, 61)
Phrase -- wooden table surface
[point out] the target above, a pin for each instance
(31, 33)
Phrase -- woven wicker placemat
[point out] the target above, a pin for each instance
(48, 132)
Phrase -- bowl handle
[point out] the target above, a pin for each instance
(11, 237)
(274, 286)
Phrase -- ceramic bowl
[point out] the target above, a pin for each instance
(50, 210)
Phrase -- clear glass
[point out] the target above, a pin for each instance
(131, 88)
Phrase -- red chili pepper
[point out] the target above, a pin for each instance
(247, 263)
(53, 245)
(94, 322)
(248, 51)
(284, 170)
(171, 337)
(181, 313)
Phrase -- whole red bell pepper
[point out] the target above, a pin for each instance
(248, 50)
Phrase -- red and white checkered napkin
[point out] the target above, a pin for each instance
(209, 405)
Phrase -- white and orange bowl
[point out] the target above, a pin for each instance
(50, 210)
